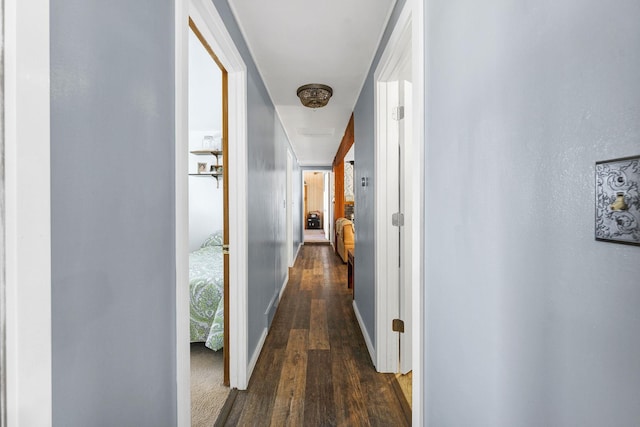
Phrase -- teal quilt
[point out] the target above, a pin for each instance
(206, 284)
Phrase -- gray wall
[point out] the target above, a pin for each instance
(267, 145)
(530, 322)
(112, 166)
(364, 139)
(112, 207)
(279, 197)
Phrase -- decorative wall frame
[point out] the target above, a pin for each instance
(618, 200)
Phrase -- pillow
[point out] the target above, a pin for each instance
(214, 239)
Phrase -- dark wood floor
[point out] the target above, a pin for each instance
(315, 369)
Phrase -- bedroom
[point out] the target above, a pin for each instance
(206, 224)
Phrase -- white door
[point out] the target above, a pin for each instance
(407, 239)
(397, 248)
(401, 247)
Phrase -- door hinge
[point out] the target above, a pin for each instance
(397, 113)
(397, 219)
(397, 325)
(225, 249)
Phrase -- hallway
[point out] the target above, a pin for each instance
(314, 368)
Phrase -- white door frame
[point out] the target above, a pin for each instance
(409, 28)
(386, 240)
(27, 245)
(212, 28)
(326, 205)
(409, 245)
(289, 206)
(386, 93)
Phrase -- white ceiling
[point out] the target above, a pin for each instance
(296, 42)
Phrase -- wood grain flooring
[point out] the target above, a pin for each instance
(314, 369)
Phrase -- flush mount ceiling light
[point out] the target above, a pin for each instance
(314, 95)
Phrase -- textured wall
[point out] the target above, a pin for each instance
(112, 207)
(113, 266)
(530, 322)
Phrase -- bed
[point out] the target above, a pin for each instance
(206, 287)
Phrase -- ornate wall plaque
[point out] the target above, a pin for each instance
(618, 200)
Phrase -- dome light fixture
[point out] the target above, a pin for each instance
(314, 95)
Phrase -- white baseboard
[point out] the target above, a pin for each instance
(256, 354)
(367, 339)
(284, 286)
(297, 252)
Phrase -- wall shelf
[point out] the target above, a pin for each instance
(207, 152)
(216, 175)
(217, 154)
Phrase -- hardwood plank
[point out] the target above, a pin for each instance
(302, 309)
(319, 407)
(225, 412)
(233, 418)
(283, 321)
(351, 406)
(288, 409)
(315, 368)
(383, 405)
(318, 333)
(318, 267)
(307, 280)
(262, 387)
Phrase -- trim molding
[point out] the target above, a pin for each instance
(256, 353)
(3, 251)
(297, 252)
(28, 212)
(387, 294)
(418, 310)
(365, 334)
(183, 361)
(284, 286)
(212, 28)
(414, 11)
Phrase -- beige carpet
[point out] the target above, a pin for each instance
(314, 236)
(207, 392)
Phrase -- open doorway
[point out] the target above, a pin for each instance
(206, 18)
(397, 243)
(208, 231)
(316, 217)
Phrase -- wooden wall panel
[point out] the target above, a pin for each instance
(346, 143)
(338, 170)
(338, 207)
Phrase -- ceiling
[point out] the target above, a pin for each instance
(296, 42)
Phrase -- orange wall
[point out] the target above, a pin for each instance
(338, 170)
